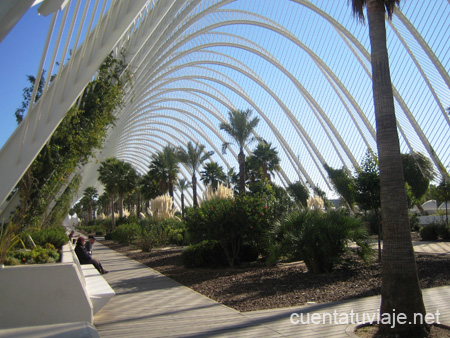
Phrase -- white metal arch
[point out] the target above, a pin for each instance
(174, 49)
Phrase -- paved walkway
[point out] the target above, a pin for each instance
(148, 304)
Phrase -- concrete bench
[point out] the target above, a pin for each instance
(98, 289)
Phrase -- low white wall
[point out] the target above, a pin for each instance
(423, 220)
(42, 294)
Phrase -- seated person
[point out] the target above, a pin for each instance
(89, 244)
(72, 233)
(85, 258)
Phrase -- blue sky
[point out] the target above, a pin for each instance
(21, 50)
(20, 54)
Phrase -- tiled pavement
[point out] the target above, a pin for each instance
(148, 304)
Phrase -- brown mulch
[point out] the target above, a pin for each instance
(258, 287)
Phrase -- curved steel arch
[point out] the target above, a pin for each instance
(280, 138)
(308, 98)
(157, 34)
(358, 45)
(262, 114)
(181, 121)
(138, 124)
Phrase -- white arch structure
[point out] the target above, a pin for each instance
(302, 66)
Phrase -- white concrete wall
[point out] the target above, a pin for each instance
(42, 294)
(423, 220)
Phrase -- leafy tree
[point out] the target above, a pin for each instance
(239, 128)
(443, 194)
(72, 144)
(367, 184)
(27, 93)
(299, 193)
(212, 174)
(400, 289)
(193, 157)
(343, 184)
(418, 171)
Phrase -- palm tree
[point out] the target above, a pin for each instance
(400, 289)
(158, 172)
(107, 175)
(240, 128)
(125, 179)
(149, 189)
(91, 194)
(267, 158)
(182, 184)
(104, 203)
(193, 157)
(232, 179)
(164, 169)
(212, 174)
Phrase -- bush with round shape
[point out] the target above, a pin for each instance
(429, 232)
(204, 254)
(320, 238)
(55, 235)
(126, 233)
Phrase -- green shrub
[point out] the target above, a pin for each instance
(176, 230)
(10, 260)
(320, 238)
(414, 222)
(443, 231)
(429, 232)
(126, 233)
(24, 256)
(55, 236)
(99, 227)
(38, 255)
(145, 241)
(233, 222)
(204, 254)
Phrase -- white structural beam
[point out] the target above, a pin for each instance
(25, 143)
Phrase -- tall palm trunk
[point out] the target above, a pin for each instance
(400, 290)
(182, 204)
(171, 179)
(138, 204)
(113, 219)
(266, 175)
(121, 205)
(90, 211)
(194, 190)
(241, 160)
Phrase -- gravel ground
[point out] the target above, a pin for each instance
(257, 287)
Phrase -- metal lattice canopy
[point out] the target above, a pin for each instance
(302, 66)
